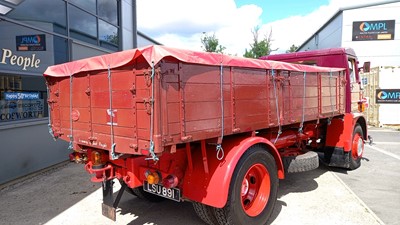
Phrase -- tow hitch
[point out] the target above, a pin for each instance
(370, 139)
(109, 206)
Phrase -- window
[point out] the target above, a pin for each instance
(52, 12)
(61, 53)
(108, 10)
(83, 26)
(351, 71)
(92, 21)
(89, 5)
(306, 62)
(22, 98)
(108, 35)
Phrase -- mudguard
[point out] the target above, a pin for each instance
(340, 131)
(211, 187)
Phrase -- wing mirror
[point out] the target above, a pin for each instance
(366, 67)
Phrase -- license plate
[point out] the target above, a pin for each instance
(157, 189)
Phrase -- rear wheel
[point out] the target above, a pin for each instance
(253, 190)
(357, 147)
(205, 213)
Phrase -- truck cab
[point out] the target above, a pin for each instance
(332, 57)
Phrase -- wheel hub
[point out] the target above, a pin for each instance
(255, 190)
(360, 147)
(245, 187)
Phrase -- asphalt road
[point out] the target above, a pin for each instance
(377, 181)
(369, 195)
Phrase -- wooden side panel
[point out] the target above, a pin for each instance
(187, 103)
(201, 101)
(192, 96)
(251, 99)
(302, 100)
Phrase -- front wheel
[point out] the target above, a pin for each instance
(357, 147)
(253, 190)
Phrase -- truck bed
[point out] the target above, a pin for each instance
(157, 96)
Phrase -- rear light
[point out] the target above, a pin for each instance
(170, 181)
(78, 157)
(97, 160)
(152, 178)
(361, 106)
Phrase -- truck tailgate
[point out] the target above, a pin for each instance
(83, 104)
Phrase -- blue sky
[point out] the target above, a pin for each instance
(274, 10)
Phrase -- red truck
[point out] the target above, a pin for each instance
(215, 130)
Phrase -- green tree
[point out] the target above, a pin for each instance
(259, 47)
(292, 48)
(211, 44)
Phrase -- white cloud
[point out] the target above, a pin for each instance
(181, 23)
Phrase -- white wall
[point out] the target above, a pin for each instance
(338, 33)
(389, 78)
(378, 52)
(329, 37)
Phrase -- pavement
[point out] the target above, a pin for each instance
(377, 181)
(65, 195)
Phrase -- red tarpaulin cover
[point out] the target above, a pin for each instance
(155, 53)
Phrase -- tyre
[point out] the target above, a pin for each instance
(140, 193)
(301, 163)
(253, 190)
(205, 213)
(357, 148)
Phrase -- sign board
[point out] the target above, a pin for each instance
(387, 96)
(31, 42)
(364, 81)
(22, 51)
(373, 30)
(21, 95)
(21, 109)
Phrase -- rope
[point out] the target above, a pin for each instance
(330, 97)
(153, 155)
(304, 102)
(49, 113)
(111, 113)
(71, 136)
(219, 149)
(277, 107)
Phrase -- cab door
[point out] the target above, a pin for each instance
(355, 84)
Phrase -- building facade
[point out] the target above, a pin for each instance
(35, 34)
(372, 30)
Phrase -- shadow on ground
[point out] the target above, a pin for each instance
(44, 197)
(170, 212)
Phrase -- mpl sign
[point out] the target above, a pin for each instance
(387, 96)
(373, 30)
